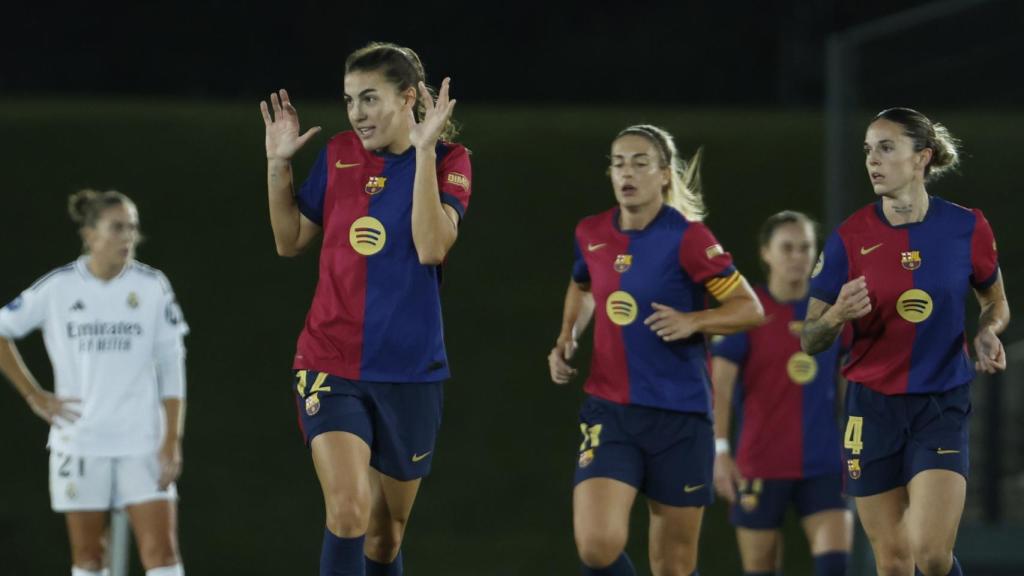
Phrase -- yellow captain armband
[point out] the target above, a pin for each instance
(721, 287)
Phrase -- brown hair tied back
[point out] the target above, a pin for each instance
(926, 134)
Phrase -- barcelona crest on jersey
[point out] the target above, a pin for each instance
(911, 260)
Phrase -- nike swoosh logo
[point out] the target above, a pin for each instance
(941, 451)
(865, 251)
(418, 457)
(341, 166)
(689, 488)
(592, 247)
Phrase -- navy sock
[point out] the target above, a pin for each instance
(341, 556)
(374, 568)
(955, 570)
(830, 564)
(621, 567)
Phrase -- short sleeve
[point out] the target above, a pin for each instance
(831, 271)
(580, 272)
(984, 258)
(311, 195)
(454, 178)
(733, 347)
(706, 262)
(27, 312)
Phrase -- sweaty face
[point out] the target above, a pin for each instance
(890, 159)
(113, 239)
(636, 172)
(377, 111)
(790, 252)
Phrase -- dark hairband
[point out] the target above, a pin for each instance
(659, 141)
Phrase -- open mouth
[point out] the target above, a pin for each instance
(876, 177)
(366, 132)
(627, 189)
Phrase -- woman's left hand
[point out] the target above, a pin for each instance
(670, 324)
(170, 462)
(989, 348)
(426, 132)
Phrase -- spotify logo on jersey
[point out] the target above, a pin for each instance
(367, 236)
(802, 368)
(621, 308)
(914, 305)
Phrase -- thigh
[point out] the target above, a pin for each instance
(936, 504)
(674, 536)
(679, 460)
(759, 549)
(392, 501)
(137, 480)
(829, 531)
(406, 420)
(155, 525)
(80, 483)
(601, 506)
(884, 517)
(87, 532)
(761, 503)
(342, 463)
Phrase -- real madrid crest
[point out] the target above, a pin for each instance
(911, 260)
(312, 404)
(623, 262)
(133, 300)
(375, 185)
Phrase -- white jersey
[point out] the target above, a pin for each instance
(106, 340)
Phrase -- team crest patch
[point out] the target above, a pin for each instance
(586, 457)
(71, 491)
(818, 265)
(312, 405)
(133, 300)
(714, 250)
(459, 180)
(853, 466)
(911, 260)
(375, 185)
(749, 502)
(623, 262)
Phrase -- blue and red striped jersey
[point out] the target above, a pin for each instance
(673, 262)
(786, 399)
(376, 313)
(918, 275)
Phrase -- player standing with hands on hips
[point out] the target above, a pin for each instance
(899, 270)
(388, 197)
(114, 334)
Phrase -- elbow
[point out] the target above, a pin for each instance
(430, 257)
(753, 314)
(287, 251)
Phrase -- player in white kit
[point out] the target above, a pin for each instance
(114, 334)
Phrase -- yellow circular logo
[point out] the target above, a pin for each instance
(914, 305)
(621, 308)
(802, 368)
(818, 265)
(367, 236)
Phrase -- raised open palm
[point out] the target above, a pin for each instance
(283, 139)
(426, 132)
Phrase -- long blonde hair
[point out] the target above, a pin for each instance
(683, 192)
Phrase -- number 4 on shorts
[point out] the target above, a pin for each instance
(852, 439)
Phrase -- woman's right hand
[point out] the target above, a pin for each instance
(558, 360)
(283, 139)
(853, 302)
(49, 407)
(726, 477)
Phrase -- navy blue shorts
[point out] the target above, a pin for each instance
(399, 422)
(889, 439)
(761, 503)
(669, 456)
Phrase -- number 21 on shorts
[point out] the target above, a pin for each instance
(852, 439)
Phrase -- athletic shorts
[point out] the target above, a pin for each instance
(399, 422)
(80, 483)
(761, 503)
(889, 439)
(668, 456)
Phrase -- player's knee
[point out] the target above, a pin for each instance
(933, 559)
(675, 560)
(893, 562)
(348, 515)
(600, 547)
(383, 547)
(88, 556)
(157, 552)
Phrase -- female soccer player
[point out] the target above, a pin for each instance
(789, 444)
(114, 333)
(388, 197)
(649, 264)
(899, 270)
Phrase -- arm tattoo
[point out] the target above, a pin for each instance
(817, 336)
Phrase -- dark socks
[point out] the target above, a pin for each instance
(374, 568)
(341, 556)
(621, 567)
(830, 564)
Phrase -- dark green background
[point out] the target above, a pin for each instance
(498, 501)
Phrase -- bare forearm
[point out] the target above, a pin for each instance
(433, 231)
(284, 211)
(13, 367)
(174, 410)
(820, 333)
(723, 384)
(995, 316)
(734, 315)
(576, 313)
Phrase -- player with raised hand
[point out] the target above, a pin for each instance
(388, 197)
(788, 449)
(114, 334)
(649, 265)
(899, 271)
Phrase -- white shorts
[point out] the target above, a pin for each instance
(102, 483)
